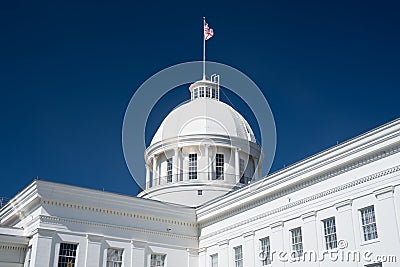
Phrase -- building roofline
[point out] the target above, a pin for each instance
(310, 166)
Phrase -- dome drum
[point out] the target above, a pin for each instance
(202, 150)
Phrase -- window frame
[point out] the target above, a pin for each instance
(164, 257)
(201, 91)
(219, 166)
(265, 247)
(367, 225)
(297, 241)
(118, 261)
(238, 257)
(74, 257)
(193, 166)
(330, 243)
(169, 170)
(212, 258)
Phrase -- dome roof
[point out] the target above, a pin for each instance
(204, 116)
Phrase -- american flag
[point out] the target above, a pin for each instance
(208, 32)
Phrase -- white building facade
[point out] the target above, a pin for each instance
(205, 203)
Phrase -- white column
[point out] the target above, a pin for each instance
(207, 155)
(310, 244)
(138, 256)
(277, 243)
(42, 246)
(248, 249)
(386, 221)
(93, 250)
(344, 222)
(223, 253)
(175, 166)
(147, 186)
(186, 171)
(155, 176)
(237, 165)
(193, 257)
(203, 257)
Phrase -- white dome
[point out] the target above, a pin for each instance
(204, 116)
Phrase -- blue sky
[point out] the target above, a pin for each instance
(329, 70)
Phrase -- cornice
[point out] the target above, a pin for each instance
(116, 212)
(220, 140)
(52, 220)
(305, 200)
(289, 189)
(10, 246)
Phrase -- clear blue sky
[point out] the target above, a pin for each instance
(330, 71)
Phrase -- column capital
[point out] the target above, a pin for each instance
(138, 244)
(248, 235)
(192, 251)
(384, 193)
(276, 226)
(309, 216)
(47, 233)
(344, 205)
(94, 238)
(224, 243)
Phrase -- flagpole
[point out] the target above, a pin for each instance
(204, 49)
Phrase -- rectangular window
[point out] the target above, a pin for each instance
(157, 260)
(192, 166)
(169, 170)
(330, 233)
(219, 167)
(213, 93)
(114, 257)
(265, 248)
(238, 256)
(214, 260)
(201, 92)
(208, 91)
(297, 241)
(369, 223)
(67, 255)
(195, 93)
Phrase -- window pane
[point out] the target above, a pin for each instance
(67, 255)
(238, 256)
(297, 242)
(157, 260)
(192, 166)
(265, 247)
(214, 260)
(114, 257)
(219, 167)
(330, 233)
(169, 170)
(369, 223)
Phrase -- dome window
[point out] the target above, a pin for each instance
(219, 167)
(192, 166)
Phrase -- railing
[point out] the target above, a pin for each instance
(200, 177)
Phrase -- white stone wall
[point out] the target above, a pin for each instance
(277, 217)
